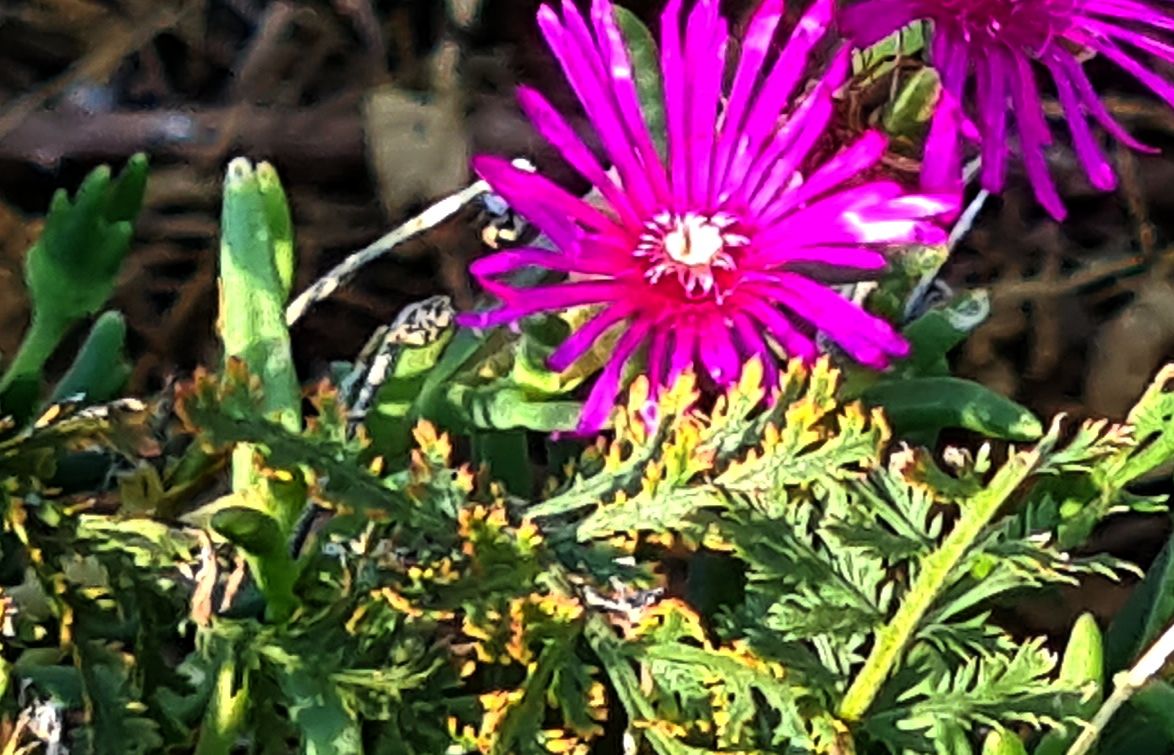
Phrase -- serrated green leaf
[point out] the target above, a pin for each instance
(71, 271)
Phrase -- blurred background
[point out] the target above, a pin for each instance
(370, 109)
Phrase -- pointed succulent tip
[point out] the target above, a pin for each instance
(238, 172)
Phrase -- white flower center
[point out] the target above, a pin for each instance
(694, 241)
(691, 248)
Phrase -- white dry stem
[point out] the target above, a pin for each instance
(1125, 684)
(345, 270)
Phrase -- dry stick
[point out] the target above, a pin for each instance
(345, 270)
(1125, 684)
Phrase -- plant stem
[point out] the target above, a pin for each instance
(933, 577)
(1124, 685)
(226, 711)
(23, 375)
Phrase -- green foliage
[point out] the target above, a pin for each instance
(880, 59)
(70, 273)
(256, 270)
(929, 404)
(762, 570)
(100, 370)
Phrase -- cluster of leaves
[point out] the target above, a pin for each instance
(437, 614)
(229, 567)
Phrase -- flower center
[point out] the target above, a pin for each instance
(690, 247)
(694, 241)
(1027, 24)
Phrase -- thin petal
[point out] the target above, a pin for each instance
(1092, 103)
(755, 45)
(1033, 137)
(1156, 83)
(658, 356)
(848, 163)
(705, 53)
(868, 338)
(874, 213)
(942, 167)
(673, 69)
(751, 168)
(576, 52)
(868, 23)
(684, 344)
(746, 333)
(509, 260)
(524, 302)
(619, 65)
(782, 330)
(719, 356)
(774, 95)
(581, 340)
(558, 132)
(1129, 11)
(1096, 165)
(551, 208)
(602, 398)
(855, 257)
(993, 104)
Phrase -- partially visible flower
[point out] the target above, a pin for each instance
(993, 43)
(694, 256)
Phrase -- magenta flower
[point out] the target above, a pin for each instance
(693, 256)
(997, 40)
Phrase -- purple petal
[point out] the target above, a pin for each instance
(673, 69)
(873, 213)
(746, 331)
(543, 202)
(581, 340)
(844, 165)
(1129, 11)
(684, 343)
(993, 103)
(1096, 165)
(854, 257)
(1156, 83)
(942, 167)
(755, 45)
(559, 133)
(705, 54)
(619, 66)
(785, 169)
(811, 114)
(782, 330)
(869, 339)
(523, 302)
(510, 260)
(1033, 136)
(658, 355)
(576, 52)
(602, 398)
(868, 23)
(775, 93)
(1092, 103)
(719, 356)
